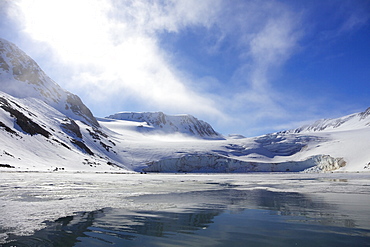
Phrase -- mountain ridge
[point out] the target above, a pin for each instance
(19, 71)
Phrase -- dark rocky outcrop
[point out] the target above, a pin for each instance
(25, 123)
(70, 127)
(82, 146)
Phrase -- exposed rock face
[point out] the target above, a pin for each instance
(71, 128)
(22, 77)
(82, 146)
(365, 114)
(77, 107)
(184, 124)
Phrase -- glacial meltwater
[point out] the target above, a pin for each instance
(185, 210)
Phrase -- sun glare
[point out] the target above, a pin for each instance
(73, 28)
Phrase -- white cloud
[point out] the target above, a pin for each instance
(170, 15)
(112, 48)
(76, 30)
(267, 35)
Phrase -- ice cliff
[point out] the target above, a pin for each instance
(215, 163)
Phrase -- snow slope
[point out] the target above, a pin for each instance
(347, 137)
(350, 122)
(35, 136)
(44, 127)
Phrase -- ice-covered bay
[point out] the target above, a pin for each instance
(29, 200)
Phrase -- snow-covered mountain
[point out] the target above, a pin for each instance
(160, 123)
(44, 127)
(21, 77)
(350, 122)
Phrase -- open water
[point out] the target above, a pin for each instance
(229, 214)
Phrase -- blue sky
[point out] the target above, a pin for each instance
(247, 67)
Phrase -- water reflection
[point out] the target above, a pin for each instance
(225, 217)
(62, 232)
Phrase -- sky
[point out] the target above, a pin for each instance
(246, 67)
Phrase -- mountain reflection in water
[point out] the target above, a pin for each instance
(226, 217)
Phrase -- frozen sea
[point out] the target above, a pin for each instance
(260, 209)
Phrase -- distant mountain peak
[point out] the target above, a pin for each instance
(349, 122)
(184, 124)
